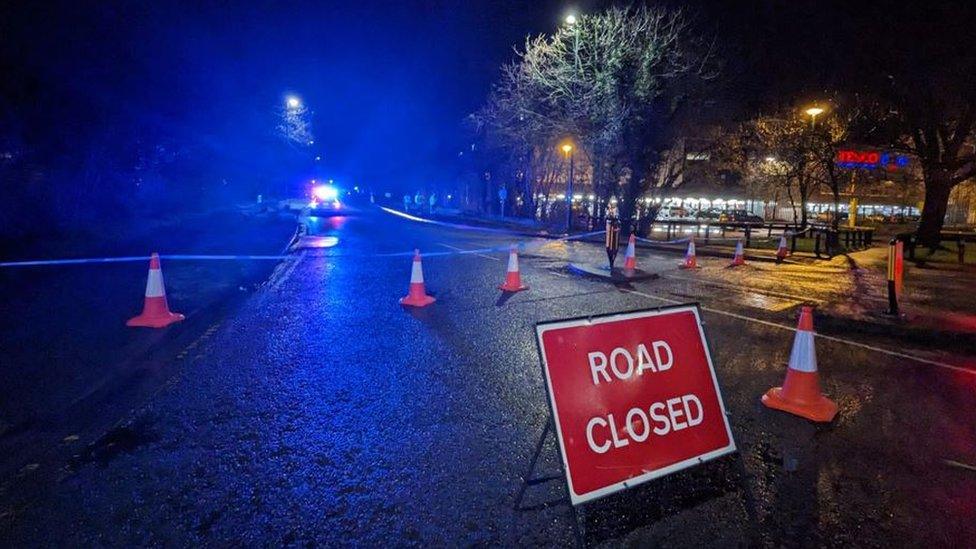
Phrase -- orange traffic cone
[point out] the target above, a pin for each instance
(782, 251)
(155, 309)
(690, 261)
(417, 296)
(513, 281)
(800, 393)
(630, 258)
(740, 257)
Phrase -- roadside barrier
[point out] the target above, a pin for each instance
(513, 280)
(417, 295)
(800, 394)
(739, 258)
(691, 262)
(630, 257)
(155, 309)
(896, 270)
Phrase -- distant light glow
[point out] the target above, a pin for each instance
(293, 102)
(570, 19)
(814, 111)
(325, 192)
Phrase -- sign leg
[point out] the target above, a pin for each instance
(535, 458)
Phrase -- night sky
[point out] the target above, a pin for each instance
(389, 82)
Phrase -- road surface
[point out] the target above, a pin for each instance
(321, 411)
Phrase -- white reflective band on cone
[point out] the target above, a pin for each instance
(630, 250)
(416, 273)
(803, 357)
(738, 248)
(154, 284)
(512, 262)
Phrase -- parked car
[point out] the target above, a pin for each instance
(743, 216)
(668, 213)
(711, 214)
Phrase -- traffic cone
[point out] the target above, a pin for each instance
(513, 281)
(630, 257)
(740, 257)
(155, 309)
(783, 250)
(800, 393)
(417, 296)
(690, 261)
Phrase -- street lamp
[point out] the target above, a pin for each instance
(570, 19)
(568, 151)
(814, 112)
(293, 102)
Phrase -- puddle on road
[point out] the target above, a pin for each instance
(768, 303)
(123, 439)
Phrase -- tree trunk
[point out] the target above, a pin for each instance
(528, 192)
(629, 200)
(835, 190)
(937, 189)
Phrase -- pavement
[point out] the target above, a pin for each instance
(319, 411)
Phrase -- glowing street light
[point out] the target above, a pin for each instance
(567, 149)
(293, 102)
(813, 112)
(570, 19)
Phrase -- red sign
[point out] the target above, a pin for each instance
(634, 397)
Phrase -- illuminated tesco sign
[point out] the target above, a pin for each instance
(850, 158)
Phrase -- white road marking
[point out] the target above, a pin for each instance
(286, 273)
(456, 249)
(821, 336)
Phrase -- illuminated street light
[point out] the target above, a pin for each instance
(570, 19)
(814, 112)
(568, 151)
(293, 102)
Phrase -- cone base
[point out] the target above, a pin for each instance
(821, 410)
(686, 266)
(417, 301)
(512, 289)
(737, 263)
(155, 321)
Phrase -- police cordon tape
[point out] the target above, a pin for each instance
(132, 258)
(231, 257)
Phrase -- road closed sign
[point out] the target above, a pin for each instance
(634, 397)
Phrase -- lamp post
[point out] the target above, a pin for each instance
(568, 151)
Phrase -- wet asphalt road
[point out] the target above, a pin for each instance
(70, 366)
(321, 411)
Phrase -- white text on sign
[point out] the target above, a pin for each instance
(661, 418)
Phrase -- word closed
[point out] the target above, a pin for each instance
(634, 397)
